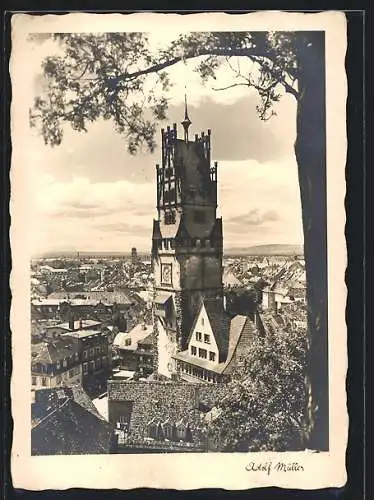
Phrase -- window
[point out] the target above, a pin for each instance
(44, 381)
(168, 172)
(198, 336)
(98, 364)
(92, 352)
(76, 356)
(103, 361)
(85, 368)
(33, 380)
(199, 217)
(212, 356)
(202, 321)
(202, 353)
(97, 350)
(128, 342)
(65, 363)
(193, 350)
(169, 195)
(85, 354)
(92, 366)
(206, 338)
(169, 217)
(57, 365)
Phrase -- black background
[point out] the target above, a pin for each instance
(357, 189)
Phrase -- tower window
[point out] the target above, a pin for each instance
(199, 217)
(168, 172)
(169, 217)
(169, 195)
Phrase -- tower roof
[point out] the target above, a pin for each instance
(186, 122)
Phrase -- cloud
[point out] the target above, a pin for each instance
(127, 227)
(83, 198)
(252, 218)
(259, 204)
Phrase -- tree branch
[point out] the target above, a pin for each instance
(203, 52)
(233, 85)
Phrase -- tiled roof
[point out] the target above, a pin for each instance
(65, 421)
(163, 401)
(236, 328)
(117, 296)
(148, 340)
(138, 333)
(50, 352)
(220, 323)
(162, 297)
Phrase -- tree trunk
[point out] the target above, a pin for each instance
(310, 150)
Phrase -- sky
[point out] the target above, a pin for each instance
(89, 194)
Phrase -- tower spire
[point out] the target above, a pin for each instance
(186, 122)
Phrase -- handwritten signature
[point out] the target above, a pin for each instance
(269, 467)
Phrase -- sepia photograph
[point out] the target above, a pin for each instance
(174, 191)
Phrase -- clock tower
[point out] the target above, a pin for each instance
(186, 241)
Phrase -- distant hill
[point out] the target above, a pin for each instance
(83, 253)
(276, 249)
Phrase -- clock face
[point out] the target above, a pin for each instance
(166, 273)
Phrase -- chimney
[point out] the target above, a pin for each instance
(71, 323)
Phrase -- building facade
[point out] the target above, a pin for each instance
(95, 354)
(186, 241)
(55, 364)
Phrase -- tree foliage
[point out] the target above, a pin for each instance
(264, 405)
(94, 78)
(116, 76)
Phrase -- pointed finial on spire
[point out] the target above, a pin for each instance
(186, 122)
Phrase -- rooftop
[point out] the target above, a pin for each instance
(79, 324)
(64, 421)
(156, 401)
(81, 334)
(138, 333)
(50, 352)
